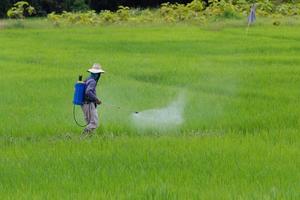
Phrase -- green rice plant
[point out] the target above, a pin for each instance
(240, 134)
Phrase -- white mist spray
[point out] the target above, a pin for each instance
(169, 117)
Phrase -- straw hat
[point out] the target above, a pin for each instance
(96, 68)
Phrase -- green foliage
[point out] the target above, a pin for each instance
(44, 7)
(221, 8)
(196, 6)
(55, 19)
(19, 10)
(264, 7)
(145, 15)
(180, 12)
(79, 5)
(4, 6)
(86, 18)
(123, 13)
(107, 16)
(288, 9)
(169, 13)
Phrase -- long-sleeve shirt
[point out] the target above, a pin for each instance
(90, 91)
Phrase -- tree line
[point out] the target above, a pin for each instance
(43, 7)
(47, 6)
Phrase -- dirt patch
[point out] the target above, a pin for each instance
(2, 25)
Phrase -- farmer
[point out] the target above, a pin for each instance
(91, 100)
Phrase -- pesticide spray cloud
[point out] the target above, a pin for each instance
(169, 117)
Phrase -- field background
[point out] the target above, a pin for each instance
(240, 138)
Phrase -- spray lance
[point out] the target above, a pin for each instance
(78, 99)
(118, 107)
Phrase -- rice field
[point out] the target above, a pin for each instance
(238, 136)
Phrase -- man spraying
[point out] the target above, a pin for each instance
(91, 100)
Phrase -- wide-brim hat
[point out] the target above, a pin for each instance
(96, 68)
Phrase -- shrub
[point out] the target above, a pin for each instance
(146, 16)
(264, 7)
(107, 16)
(20, 9)
(288, 9)
(222, 8)
(123, 13)
(55, 19)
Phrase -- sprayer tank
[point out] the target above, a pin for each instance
(79, 92)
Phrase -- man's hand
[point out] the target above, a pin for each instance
(98, 102)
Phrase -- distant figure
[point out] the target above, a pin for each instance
(252, 15)
(91, 100)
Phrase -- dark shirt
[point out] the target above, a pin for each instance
(90, 91)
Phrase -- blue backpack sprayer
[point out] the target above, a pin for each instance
(79, 97)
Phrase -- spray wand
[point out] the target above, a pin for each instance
(79, 100)
(118, 107)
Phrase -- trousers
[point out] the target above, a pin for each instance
(90, 116)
